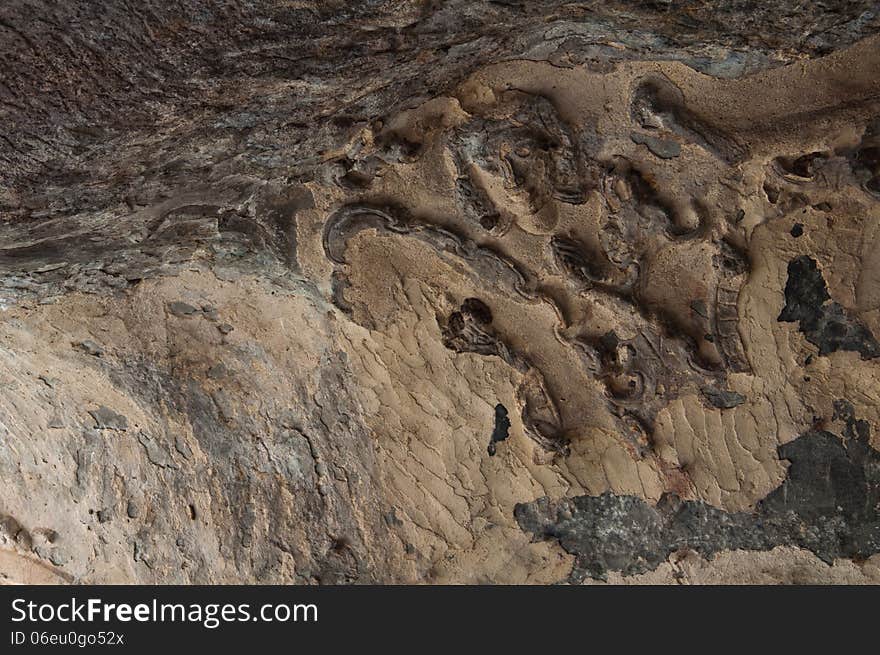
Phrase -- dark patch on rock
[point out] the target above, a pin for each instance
(338, 285)
(663, 148)
(797, 230)
(225, 328)
(107, 419)
(390, 518)
(825, 323)
(48, 380)
(218, 371)
(723, 399)
(469, 330)
(279, 209)
(854, 428)
(804, 166)
(699, 308)
(502, 427)
(827, 504)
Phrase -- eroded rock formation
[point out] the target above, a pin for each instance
(440, 292)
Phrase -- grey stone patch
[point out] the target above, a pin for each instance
(663, 148)
(179, 308)
(218, 371)
(107, 419)
(225, 328)
(90, 348)
(828, 504)
(21, 284)
(182, 447)
(723, 399)
(132, 510)
(391, 519)
(50, 267)
(823, 322)
(88, 453)
(56, 422)
(227, 273)
(223, 404)
(157, 455)
(10, 528)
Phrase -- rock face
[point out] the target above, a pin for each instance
(332, 292)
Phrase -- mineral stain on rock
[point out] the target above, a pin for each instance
(824, 322)
(663, 148)
(502, 427)
(723, 399)
(828, 504)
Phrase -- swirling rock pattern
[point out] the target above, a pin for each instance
(439, 292)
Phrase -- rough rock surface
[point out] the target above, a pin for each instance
(415, 291)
